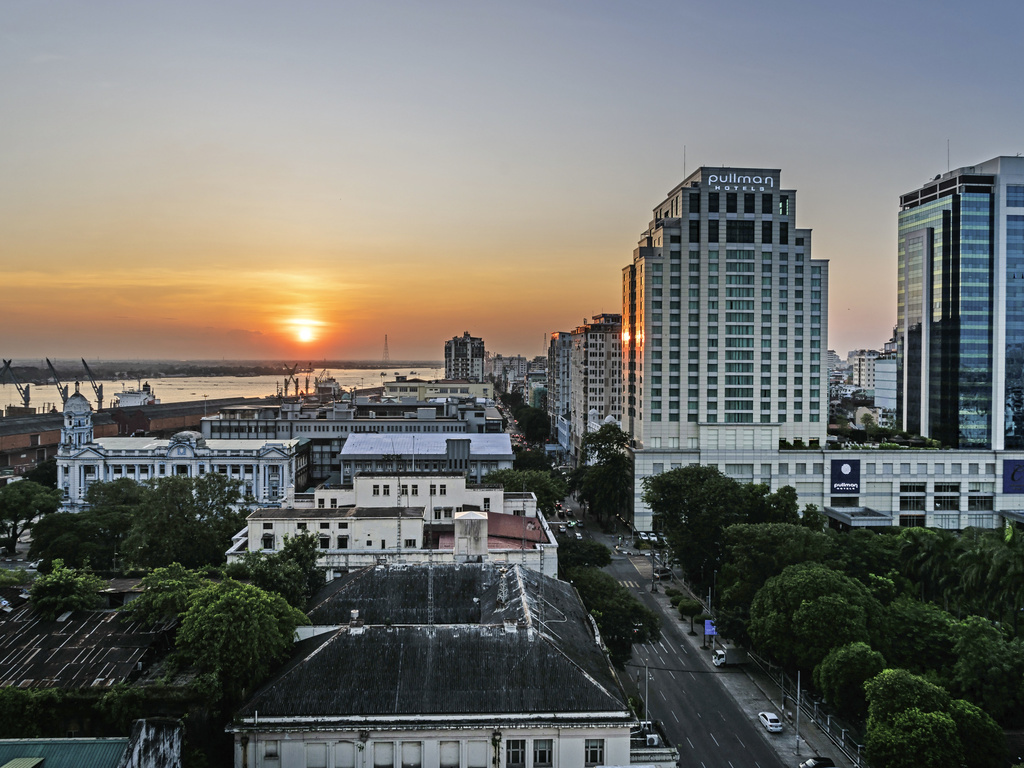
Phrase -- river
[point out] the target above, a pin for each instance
(177, 390)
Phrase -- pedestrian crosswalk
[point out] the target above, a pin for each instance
(633, 584)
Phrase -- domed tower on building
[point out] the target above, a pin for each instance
(77, 430)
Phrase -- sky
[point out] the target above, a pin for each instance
(271, 180)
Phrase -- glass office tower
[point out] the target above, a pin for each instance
(960, 307)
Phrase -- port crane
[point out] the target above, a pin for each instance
(62, 388)
(97, 388)
(24, 391)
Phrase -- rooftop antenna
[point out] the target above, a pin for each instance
(947, 155)
(684, 161)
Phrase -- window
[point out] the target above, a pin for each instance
(412, 754)
(376, 490)
(270, 748)
(542, 753)
(443, 490)
(593, 750)
(383, 754)
(449, 754)
(1014, 196)
(515, 753)
(739, 231)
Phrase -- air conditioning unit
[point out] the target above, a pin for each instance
(653, 740)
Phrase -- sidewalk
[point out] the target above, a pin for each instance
(753, 691)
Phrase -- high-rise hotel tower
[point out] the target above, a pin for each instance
(724, 324)
(960, 307)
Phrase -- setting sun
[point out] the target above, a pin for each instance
(305, 334)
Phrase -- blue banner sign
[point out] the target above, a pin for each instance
(845, 476)
(709, 627)
(1013, 476)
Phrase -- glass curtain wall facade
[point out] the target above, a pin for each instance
(960, 307)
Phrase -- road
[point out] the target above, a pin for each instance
(698, 714)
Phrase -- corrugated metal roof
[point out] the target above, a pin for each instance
(88, 649)
(62, 753)
(445, 640)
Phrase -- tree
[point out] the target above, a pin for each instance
(763, 506)
(44, 473)
(984, 743)
(185, 520)
(546, 487)
(989, 670)
(921, 637)
(912, 739)
(533, 423)
(842, 674)
(868, 421)
(531, 459)
(621, 618)
(605, 477)
(20, 504)
(755, 553)
(581, 554)
(807, 610)
(64, 589)
(813, 518)
(894, 690)
(688, 608)
(93, 536)
(291, 573)
(695, 505)
(237, 632)
(165, 595)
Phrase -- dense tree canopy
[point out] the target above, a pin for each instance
(621, 618)
(65, 589)
(20, 504)
(573, 553)
(841, 676)
(185, 520)
(292, 572)
(165, 595)
(548, 488)
(809, 609)
(237, 632)
(604, 478)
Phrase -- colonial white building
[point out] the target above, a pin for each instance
(443, 666)
(408, 518)
(266, 469)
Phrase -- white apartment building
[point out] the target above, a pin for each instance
(725, 320)
(474, 455)
(411, 517)
(862, 367)
(464, 358)
(595, 365)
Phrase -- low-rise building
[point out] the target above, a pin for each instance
(443, 666)
(474, 455)
(861, 486)
(408, 518)
(266, 469)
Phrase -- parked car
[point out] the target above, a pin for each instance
(770, 721)
(642, 535)
(818, 762)
(663, 572)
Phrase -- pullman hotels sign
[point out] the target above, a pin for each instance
(742, 180)
(845, 476)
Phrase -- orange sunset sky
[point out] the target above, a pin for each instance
(296, 180)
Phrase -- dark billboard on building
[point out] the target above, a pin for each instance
(845, 476)
(1013, 476)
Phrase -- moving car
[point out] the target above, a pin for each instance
(579, 535)
(770, 721)
(818, 762)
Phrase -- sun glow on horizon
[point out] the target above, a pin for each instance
(305, 330)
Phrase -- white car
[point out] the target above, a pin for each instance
(579, 535)
(642, 535)
(770, 721)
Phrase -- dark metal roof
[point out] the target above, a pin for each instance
(65, 753)
(88, 649)
(445, 640)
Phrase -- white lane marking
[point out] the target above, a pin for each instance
(690, 743)
(741, 743)
(671, 674)
(693, 676)
(714, 739)
(662, 694)
(674, 715)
